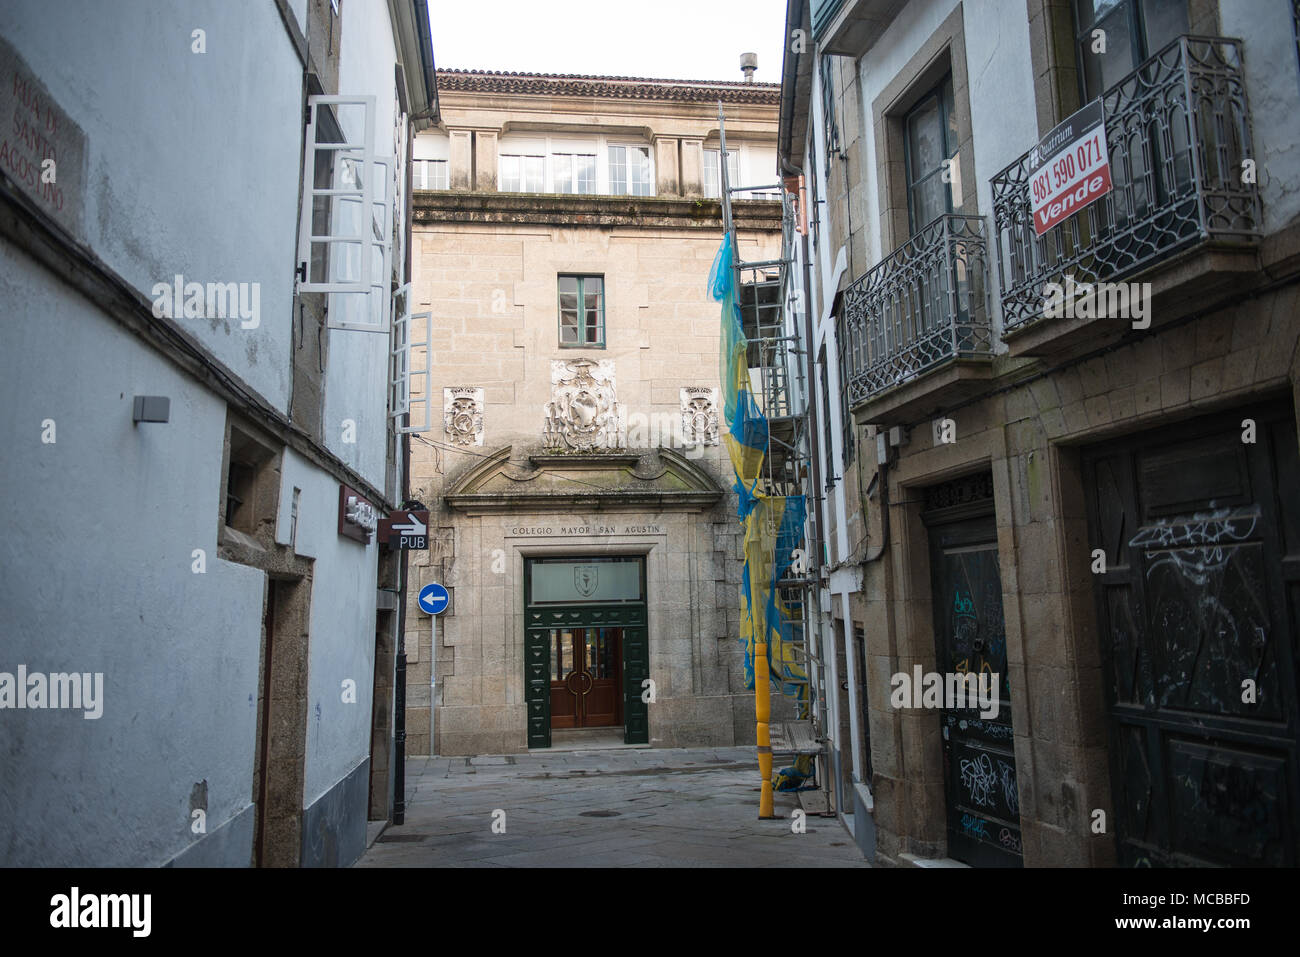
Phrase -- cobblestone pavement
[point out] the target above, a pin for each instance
(606, 808)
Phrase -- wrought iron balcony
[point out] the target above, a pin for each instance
(923, 305)
(1177, 131)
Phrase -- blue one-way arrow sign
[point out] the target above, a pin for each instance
(434, 599)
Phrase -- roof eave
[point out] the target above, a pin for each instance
(796, 89)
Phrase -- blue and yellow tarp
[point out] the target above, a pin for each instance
(773, 524)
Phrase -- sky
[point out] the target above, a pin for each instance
(664, 39)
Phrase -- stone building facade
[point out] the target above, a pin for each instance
(582, 515)
(1089, 494)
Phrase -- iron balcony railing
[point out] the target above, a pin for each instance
(1177, 132)
(924, 304)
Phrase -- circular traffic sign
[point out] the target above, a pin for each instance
(434, 599)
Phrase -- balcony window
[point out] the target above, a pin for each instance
(582, 311)
(930, 143)
(1134, 29)
(846, 415)
(829, 126)
(522, 174)
(1177, 130)
(922, 306)
(828, 430)
(574, 172)
(629, 171)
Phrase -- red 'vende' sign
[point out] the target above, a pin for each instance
(1069, 168)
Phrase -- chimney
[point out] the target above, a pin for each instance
(748, 64)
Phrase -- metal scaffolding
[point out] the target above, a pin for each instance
(772, 300)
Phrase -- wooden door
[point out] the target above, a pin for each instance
(1196, 606)
(979, 761)
(585, 672)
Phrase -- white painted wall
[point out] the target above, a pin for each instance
(169, 131)
(193, 164)
(97, 576)
(1000, 94)
(343, 587)
(342, 625)
(357, 374)
(1273, 88)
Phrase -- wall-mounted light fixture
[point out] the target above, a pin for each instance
(151, 408)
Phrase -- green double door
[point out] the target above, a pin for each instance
(586, 666)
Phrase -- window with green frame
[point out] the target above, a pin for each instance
(582, 312)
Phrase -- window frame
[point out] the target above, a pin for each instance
(829, 123)
(1139, 41)
(847, 435)
(947, 108)
(595, 173)
(717, 191)
(422, 168)
(582, 324)
(522, 178)
(627, 167)
(828, 428)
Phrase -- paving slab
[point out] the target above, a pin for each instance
(619, 807)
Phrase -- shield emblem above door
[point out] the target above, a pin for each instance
(585, 580)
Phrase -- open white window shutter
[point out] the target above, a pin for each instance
(371, 312)
(411, 341)
(337, 259)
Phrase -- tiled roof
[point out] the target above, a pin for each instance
(619, 87)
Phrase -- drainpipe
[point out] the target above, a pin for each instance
(882, 471)
(399, 671)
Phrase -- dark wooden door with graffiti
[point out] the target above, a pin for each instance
(979, 761)
(1196, 606)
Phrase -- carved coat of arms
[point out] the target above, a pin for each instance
(462, 415)
(699, 415)
(583, 412)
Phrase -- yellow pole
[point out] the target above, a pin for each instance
(763, 714)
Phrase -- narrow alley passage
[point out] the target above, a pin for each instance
(611, 808)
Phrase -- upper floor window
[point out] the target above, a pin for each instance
(828, 105)
(629, 171)
(582, 311)
(931, 140)
(1134, 30)
(522, 174)
(429, 174)
(574, 172)
(712, 178)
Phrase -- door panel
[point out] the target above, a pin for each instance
(970, 639)
(584, 677)
(564, 703)
(537, 684)
(1198, 638)
(636, 669)
(602, 701)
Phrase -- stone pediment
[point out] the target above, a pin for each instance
(661, 479)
